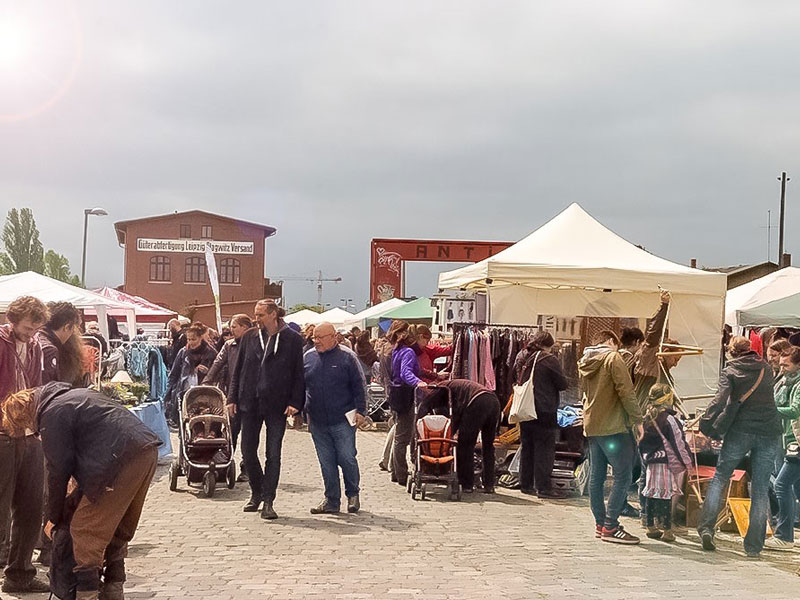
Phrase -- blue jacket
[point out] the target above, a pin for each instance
(334, 385)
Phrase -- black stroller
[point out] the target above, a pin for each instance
(205, 453)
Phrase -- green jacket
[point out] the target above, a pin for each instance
(610, 406)
(787, 399)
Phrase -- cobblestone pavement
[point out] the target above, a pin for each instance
(503, 546)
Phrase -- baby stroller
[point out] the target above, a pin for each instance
(205, 453)
(433, 450)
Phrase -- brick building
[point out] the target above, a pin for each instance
(165, 262)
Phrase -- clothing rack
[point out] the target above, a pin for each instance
(482, 325)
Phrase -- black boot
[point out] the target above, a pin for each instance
(268, 512)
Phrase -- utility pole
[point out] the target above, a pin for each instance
(783, 179)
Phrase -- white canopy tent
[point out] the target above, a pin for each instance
(772, 300)
(370, 316)
(336, 317)
(574, 266)
(47, 289)
(304, 317)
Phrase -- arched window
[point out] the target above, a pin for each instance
(230, 270)
(195, 270)
(160, 269)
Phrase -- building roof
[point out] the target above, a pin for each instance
(121, 227)
(735, 270)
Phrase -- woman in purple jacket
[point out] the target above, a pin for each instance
(405, 380)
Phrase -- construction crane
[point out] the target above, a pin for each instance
(319, 279)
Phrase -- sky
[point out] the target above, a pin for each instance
(337, 122)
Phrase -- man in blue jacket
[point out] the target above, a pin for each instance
(335, 404)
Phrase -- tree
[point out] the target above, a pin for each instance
(57, 266)
(23, 250)
(299, 307)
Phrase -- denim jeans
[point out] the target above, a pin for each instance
(336, 447)
(787, 486)
(263, 481)
(619, 451)
(763, 450)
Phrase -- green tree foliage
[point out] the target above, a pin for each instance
(23, 250)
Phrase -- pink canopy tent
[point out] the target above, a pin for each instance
(146, 311)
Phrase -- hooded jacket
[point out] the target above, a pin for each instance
(32, 372)
(268, 384)
(86, 436)
(610, 406)
(787, 400)
(757, 414)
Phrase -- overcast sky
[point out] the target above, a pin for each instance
(337, 122)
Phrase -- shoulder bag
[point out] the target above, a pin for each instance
(523, 406)
(717, 420)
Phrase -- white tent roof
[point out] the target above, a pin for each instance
(304, 317)
(373, 312)
(574, 266)
(575, 251)
(770, 300)
(336, 317)
(47, 289)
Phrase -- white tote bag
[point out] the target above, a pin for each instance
(523, 407)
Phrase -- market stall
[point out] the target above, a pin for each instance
(770, 301)
(304, 317)
(417, 312)
(146, 311)
(575, 267)
(336, 317)
(371, 316)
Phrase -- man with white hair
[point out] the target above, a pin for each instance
(335, 404)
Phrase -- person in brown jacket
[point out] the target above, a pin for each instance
(649, 368)
(610, 412)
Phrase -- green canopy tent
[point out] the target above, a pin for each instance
(418, 312)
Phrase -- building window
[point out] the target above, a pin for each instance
(160, 269)
(205, 232)
(186, 230)
(230, 271)
(195, 270)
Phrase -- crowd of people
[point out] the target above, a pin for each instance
(78, 496)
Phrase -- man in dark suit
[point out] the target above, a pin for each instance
(267, 386)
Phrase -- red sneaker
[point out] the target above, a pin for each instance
(618, 535)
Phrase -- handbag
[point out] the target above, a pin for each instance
(717, 420)
(523, 406)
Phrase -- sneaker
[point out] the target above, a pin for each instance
(618, 535)
(776, 543)
(324, 509)
(598, 531)
(707, 537)
(353, 504)
(34, 586)
(668, 536)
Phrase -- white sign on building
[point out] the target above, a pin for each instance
(193, 246)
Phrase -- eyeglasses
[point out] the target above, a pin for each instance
(318, 338)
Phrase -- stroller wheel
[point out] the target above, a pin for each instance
(209, 484)
(414, 491)
(174, 471)
(409, 484)
(424, 491)
(230, 476)
(455, 492)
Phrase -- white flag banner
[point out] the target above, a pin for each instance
(213, 279)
